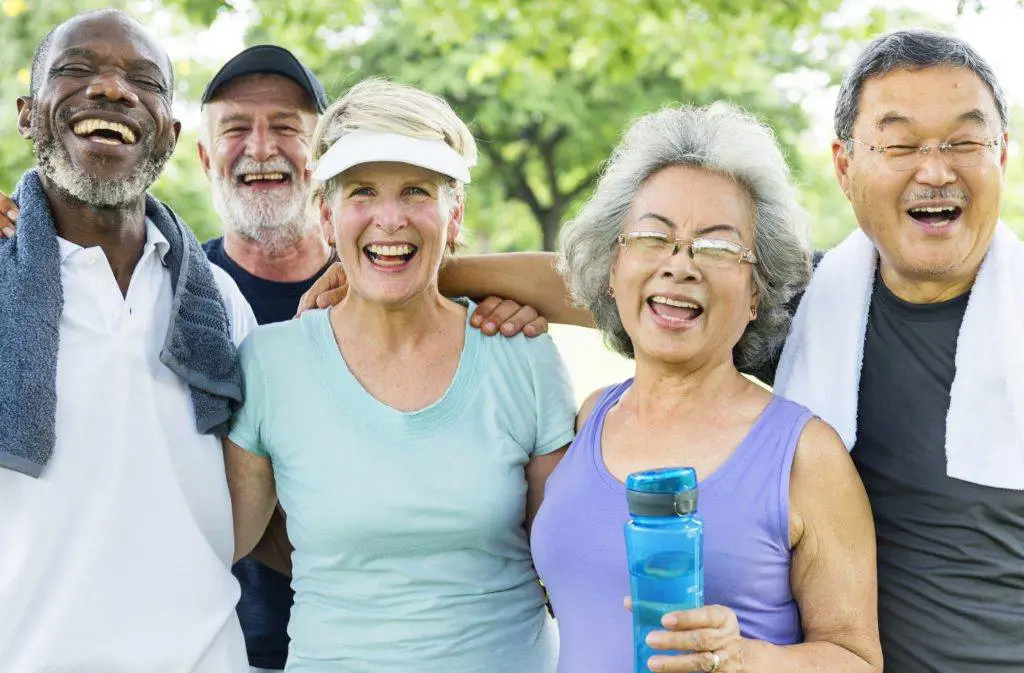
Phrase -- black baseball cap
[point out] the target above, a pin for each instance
(268, 58)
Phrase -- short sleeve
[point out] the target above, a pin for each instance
(554, 398)
(248, 422)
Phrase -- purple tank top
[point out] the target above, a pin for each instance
(579, 547)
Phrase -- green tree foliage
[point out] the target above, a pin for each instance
(546, 85)
(978, 6)
(23, 23)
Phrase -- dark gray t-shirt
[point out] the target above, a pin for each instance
(950, 553)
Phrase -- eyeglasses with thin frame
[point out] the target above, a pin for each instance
(906, 157)
(716, 252)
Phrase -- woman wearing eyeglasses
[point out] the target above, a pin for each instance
(685, 258)
(687, 255)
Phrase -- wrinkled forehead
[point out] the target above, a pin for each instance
(937, 99)
(108, 38)
(689, 199)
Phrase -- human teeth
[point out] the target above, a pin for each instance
(678, 303)
(934, 209)
(391, 250)
(252, 177)
(87, 126)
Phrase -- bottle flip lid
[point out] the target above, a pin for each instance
(668, 491)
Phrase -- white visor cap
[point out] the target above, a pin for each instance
(364, 147)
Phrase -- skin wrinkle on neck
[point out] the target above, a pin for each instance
(661, 388)
(120, 232)
(300, 262)
(925, 291)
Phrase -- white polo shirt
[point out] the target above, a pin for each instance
(117, 559)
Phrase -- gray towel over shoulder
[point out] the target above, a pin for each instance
(198, 346)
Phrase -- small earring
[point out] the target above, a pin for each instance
(611, 292)
(753, 313)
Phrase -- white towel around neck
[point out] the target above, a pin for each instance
(821, 362)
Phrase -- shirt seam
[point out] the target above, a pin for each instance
(947, 315)
(786, 479)
(255, 446)
(564, 438)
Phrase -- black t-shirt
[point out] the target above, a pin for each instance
(271, 301)
(267, 597)
(950, 552)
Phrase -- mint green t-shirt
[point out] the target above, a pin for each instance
(410, 548)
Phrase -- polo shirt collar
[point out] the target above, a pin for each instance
(154, 239)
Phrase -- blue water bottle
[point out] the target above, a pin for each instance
(665, 551)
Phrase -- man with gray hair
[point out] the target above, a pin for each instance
(907, 341)
(117, 372)
(258, 116)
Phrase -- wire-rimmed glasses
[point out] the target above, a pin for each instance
(716, 252)
(907, 157)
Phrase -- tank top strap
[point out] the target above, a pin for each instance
(768, 449)
(589, 436)
(762, 464)
(775, 435)
(608, 398)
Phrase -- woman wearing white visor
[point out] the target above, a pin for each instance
(406, 448)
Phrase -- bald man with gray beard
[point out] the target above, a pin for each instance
(118, 372)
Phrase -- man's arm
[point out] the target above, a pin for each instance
(274, 549)
(529, 278)
(525, 280)
(253, 496)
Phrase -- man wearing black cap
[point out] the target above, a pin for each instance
(259, 112)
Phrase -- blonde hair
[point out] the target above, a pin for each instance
(377, 104)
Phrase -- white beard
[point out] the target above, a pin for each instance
(273, 220)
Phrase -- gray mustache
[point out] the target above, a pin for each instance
(276, 165)
(942, 194)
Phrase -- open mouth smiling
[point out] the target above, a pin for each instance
(104, 131)
(935, 216)
(674, 311)
(390, 256)
(268, 179)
